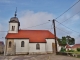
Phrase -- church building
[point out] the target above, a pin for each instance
(19, 41)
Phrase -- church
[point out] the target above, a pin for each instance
(18, 41)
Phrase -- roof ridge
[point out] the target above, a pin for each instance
(32, 30)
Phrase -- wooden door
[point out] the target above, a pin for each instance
(53, 47)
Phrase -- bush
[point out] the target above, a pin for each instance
(70, 50)
(63, 50)
(78, 49)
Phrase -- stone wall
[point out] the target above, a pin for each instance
(10, 50)
(31, 53)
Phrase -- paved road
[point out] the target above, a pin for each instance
(38, 57)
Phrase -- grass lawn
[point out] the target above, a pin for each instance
(76, 52)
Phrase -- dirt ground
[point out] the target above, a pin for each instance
(38, 57)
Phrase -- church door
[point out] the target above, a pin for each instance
(53, 47)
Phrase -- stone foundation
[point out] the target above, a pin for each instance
(10, 53)
(32, 53)
(22, 53)
(49, 52)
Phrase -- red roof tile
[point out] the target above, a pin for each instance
(33, 35)
(76, 46)
(67, 46)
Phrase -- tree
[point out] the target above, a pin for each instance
(66, 40)
(70, 40)
(62, 41)
(78, 49)
(62, 49)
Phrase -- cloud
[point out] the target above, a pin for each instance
(76, 8)
(29, 18)
(60, 31)
(2, 34)
(76, 17)
(78, 40)
(1, 27)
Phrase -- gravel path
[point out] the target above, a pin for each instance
(38, 57)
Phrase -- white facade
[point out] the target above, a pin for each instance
(20, 49)
(32, 48)
(49, 45)
(15, 29)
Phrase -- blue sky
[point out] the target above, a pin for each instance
(34, 12)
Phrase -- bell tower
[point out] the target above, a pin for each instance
(14, 24)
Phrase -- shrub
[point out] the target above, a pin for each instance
(78, 49)
(70, 50)
(62, 50)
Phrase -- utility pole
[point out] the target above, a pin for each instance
(53, 21)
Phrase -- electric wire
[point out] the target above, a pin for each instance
(68, 27)
(62, 30)
(67, 9)
(70, 17)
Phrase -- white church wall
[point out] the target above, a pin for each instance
(10, 27)
(49, 45)
(33, 50)
(19, 49)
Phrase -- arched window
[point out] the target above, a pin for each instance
(13, 28)
(10, 44)
(38, 46)
(22, 43)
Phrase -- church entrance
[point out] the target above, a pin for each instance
(53, 47)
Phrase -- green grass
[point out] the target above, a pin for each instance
(75, 52)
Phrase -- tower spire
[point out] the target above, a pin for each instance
(15, 12)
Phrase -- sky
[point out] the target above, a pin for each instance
(34, 15)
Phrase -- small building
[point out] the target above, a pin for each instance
(28, 41)
(68, 47)
(75, 47)
(1, 47)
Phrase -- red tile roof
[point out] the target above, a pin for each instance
(67, 46)
(32, 35)
(76, 46)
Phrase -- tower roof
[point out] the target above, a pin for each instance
(14, 19)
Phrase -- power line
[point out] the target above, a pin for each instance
(67, 10)
(68, 27)
(59, 29)
(38, 25)
(71, 17)
(62, 30)
(31, 26)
